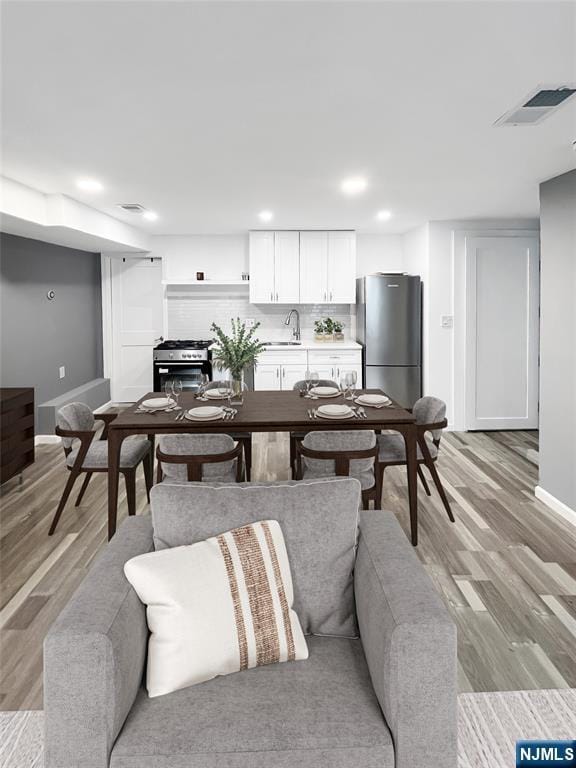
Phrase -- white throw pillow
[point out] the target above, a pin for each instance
(217, 606)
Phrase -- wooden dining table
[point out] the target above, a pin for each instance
(261, 411)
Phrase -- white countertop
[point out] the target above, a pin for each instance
(333, 346)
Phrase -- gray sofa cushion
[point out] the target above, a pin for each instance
(319, 520)
(319, 713)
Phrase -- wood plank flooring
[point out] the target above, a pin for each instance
(506, 569)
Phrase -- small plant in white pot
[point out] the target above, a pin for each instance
(319, 330)
(338, 331)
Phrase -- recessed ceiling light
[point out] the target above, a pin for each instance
(384, 215)
(354, 185)
(89, 185)
(150, 215)
(265, 216)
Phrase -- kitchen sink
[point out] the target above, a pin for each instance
(282, 343)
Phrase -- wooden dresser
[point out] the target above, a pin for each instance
(16, 430)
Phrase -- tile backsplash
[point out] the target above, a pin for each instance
(191, 311)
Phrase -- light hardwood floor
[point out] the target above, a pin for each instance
(506, 569)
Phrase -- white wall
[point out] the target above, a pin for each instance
(220, 257)
(378, 253)
(557, 482)
(415, 248)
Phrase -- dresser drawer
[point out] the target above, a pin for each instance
(332, 357)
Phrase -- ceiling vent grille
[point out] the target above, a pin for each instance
(538, 105)
(132, 207)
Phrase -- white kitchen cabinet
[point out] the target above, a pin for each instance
(313, 267)
(286, 267)
(341, 285)
(267, 376)
(291, 373)
(331, 364)
(327, 267)
(274, 267)
(261, 267)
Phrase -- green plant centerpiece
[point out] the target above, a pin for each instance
(319, 330)
(237, 351)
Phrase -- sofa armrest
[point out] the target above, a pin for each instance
(410, 644)
(94, 657)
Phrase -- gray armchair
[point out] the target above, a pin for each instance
(383, 699)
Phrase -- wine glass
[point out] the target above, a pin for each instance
(177, 390)
(350, 379)
(204, 381)
(168, 389)
(307, 381)
(314, 379)
(344, 385)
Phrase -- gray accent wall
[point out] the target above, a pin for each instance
(37, 336)
(558, 338)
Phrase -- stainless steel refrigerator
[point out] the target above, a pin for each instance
(389, 327)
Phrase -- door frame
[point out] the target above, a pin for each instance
(460, 350)
(107, 312)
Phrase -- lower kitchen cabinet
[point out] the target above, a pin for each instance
(281, 370)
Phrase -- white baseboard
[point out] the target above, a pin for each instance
(558, 506)
(46, 439)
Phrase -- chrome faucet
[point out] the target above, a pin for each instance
(296, 329)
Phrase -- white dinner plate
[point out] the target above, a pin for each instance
(334, 410)
(204, 413)
(336, 418)
(373, 400)
(325, 391)
(214, 394)
(157, 402)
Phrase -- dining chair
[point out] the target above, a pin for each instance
(76, 425)
(351, 453)
(300, 386)
(430, 413)
(244, 438)
(198, 457)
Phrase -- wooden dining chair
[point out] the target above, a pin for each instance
(299, 435)
(197, 457)
(244, 438)
(75, 424)
(351, 453)
(430, 413)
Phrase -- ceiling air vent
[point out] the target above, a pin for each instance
(132, 207)
(537, 105)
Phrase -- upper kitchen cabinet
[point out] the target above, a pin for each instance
(327, 267)
(274, 267)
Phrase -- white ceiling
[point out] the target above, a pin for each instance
(209, 112)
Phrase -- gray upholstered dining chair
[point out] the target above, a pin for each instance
(430, 413)
(299, 436)
(197, 458)
(244, 438)
(76, 425)
(351, 453)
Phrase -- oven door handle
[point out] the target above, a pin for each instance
(191, 364)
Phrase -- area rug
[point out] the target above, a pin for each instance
(489, 726)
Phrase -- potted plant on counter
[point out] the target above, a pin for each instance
(319, 331)
(236, 352)
(329, 329)
(338, 334)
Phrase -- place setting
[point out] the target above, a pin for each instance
(374, 401)
(336, 412)
(208, 413)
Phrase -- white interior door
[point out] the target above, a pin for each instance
(313, 267)
(287, 267)
(502, 319)
(342, 267)
(137, 322)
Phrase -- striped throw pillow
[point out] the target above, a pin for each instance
(217, 606)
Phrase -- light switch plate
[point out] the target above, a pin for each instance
(447, 321)
(62, 371)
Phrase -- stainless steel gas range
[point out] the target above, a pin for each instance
(185, 359)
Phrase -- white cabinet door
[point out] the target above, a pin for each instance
(286, 267)
(136, 325)
(313, 267)
(267, 377)
(342, 267)
(291, 374)
(262, 290)
(502, 308)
